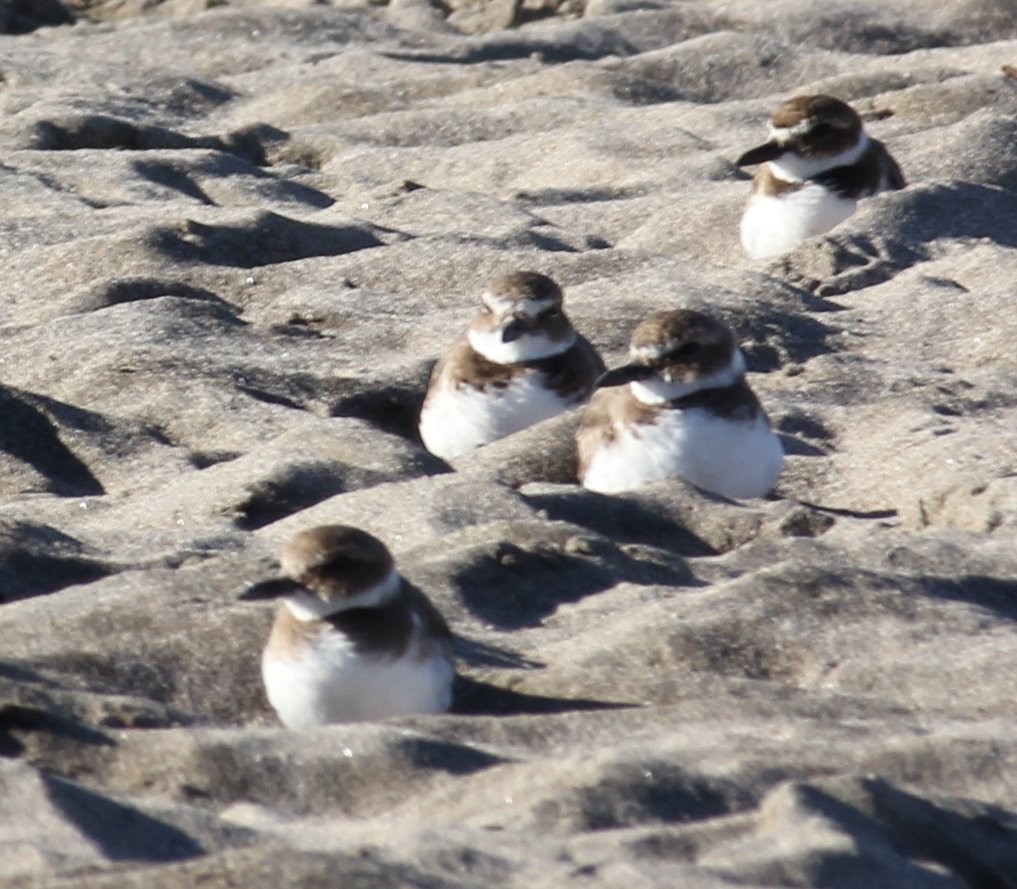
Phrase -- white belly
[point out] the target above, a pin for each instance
(455, 421)
(772, 225)
(737, 460)
(333, 684)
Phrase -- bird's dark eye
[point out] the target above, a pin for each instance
(686, 350)
(338, 562)
(820, 131)
(552, 312)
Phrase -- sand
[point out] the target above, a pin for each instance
(235, 238)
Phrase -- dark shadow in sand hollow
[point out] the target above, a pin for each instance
(392, 408)
(25, 17)
(961, 210)
(446, 756)
(171, 177)
(118, 291)
(913, 219)
(249, 145)
(26, 574)
(21, 673)
(19, 719)
(505, 47)
(621, 519)
(293, 488)
(801, 338)
(29, 435)
(29, 709)
(183, 177)
(978, 850)
(797, 423)
(76, 132)
(36, 560)
(121, 832)
(137, 673)
(268, 239)
(518, 587)
(997, 594)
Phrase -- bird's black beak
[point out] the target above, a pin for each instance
(270, 589)
(768, 151)
(627, 373)
(513, 330)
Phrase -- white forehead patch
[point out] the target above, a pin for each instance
(497, 304)
(528, 307)
(659, 388)
(653, 352)
(783, 135)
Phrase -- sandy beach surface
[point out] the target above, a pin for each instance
(234, 239)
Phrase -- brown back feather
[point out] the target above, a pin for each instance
(572, 372)
(384, 630)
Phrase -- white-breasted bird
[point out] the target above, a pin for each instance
(352, 640)
(680, 408)
(521, 362)
(815, 167)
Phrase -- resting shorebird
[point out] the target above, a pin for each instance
(817, 164)
(680, 407)
(521, 362)
(351, 640)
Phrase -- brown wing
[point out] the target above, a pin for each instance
(735, 402)
(591, 363)
(893, 178)
(435, 626)
(462, 365)
(607, 410)
(874, 171)
(573, 372)
(764, 182)
(434, 622)
(386, 630)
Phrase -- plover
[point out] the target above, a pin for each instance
(521, 362)
(680, 407)
(816, 165)
(351, 640)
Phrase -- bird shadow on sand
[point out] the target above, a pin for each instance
(797, 447)
(473, 697)
(482, 654)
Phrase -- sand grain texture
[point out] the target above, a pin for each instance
(235, 237)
